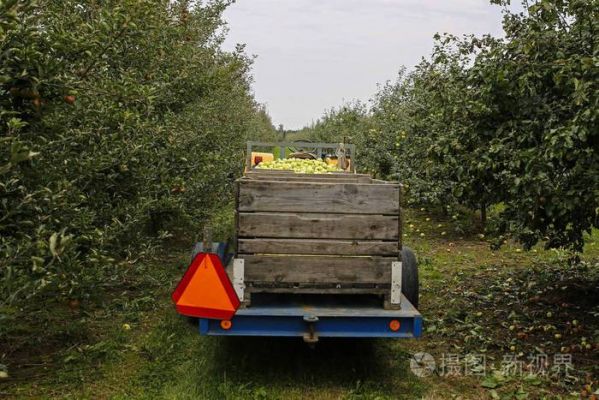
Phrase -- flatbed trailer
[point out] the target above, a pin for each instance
(317, 256)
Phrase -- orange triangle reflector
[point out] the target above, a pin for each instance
(205, 290)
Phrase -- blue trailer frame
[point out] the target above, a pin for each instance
(311, 318)
(325, 316)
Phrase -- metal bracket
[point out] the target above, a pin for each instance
(396, 282)
(239, 277)
(310, 337)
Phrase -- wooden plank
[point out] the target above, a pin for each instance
(340, 173)
(325, 287)
(384, 182)
(316, 246)
(284, 175)
(268, 171)
(288, 173)
(310, 178)
(317, 269)
(236, 233)
(355, 198)
(318, 226)
(400, 224)
(259, 288)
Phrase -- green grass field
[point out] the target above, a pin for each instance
(475, 301)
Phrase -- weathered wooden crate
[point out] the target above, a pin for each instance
(310, 233)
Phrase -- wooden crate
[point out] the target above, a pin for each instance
(311, 233)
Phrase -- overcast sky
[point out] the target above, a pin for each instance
(315, 54)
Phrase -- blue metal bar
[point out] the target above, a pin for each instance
(290, 319)
(325, 327)
(204, 326)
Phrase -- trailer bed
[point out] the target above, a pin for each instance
(314, 317)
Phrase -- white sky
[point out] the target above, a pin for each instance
(315, 54)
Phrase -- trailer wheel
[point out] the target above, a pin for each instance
(409, 275)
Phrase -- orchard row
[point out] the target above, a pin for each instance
(509, 125)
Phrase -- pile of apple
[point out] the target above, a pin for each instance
(299, 166)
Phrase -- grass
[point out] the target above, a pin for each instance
(474, 300)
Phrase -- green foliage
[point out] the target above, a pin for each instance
(539, 106)
(525, 122)
(352, 123)
(122, 122)
(402, 114)
(510, 122)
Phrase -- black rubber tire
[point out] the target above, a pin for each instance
(409, 275)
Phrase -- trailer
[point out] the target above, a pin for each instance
(317, 255)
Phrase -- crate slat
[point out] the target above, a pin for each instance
(313, 226)
(288, 173)
(318, 270)
(352, 198)
(318, 246)
(318, 178)
(259, 288)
